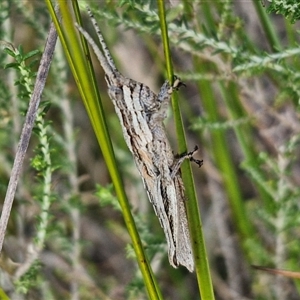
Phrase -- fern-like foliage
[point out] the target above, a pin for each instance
(288, 8)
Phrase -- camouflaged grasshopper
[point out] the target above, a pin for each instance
(141, 113)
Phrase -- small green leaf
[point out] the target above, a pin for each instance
(31, 54)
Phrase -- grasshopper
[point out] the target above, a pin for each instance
(141, 113)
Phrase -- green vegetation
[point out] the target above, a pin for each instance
(74, 235)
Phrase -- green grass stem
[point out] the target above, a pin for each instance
(195, 226)
(77, 53)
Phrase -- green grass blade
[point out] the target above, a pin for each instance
(77, 51)
(267, 26)
(195, 226)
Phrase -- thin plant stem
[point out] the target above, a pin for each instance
(77, 50)
(27, 130)
(195, 226)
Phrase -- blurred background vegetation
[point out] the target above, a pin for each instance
(240, 62)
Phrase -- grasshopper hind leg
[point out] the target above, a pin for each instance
(177, 164)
